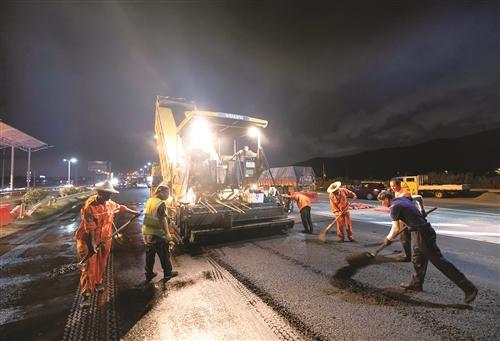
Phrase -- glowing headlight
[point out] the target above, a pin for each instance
(200, 133)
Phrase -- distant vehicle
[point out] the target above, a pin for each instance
(419, 184)
(290, 179)
(368, 189)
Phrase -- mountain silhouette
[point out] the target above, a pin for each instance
(477, 153)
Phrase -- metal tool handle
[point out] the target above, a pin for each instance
(383, 246)
(91, 251)
(327, 229)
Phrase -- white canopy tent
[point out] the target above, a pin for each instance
(13, 138)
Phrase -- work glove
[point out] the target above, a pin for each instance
(171, 245)
(387, 242)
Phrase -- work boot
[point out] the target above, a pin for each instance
(85, 303)
(340, 241)
(169, 276)
(150, 276)
(470, 295)
(99, 288)
(411, 287)
(304, 231)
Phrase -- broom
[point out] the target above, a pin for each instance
(323, 233)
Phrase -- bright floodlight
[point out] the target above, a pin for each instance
(253, 131)
(200, 133)
(73, 160)
(149, 163)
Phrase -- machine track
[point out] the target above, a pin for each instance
(279, 325)
(284, 324)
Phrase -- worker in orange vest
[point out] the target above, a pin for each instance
(340, 208)
(94, 233)
(304, 204)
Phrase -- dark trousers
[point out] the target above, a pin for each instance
(157, 246)
(405, 238)
(305, 216)
(425, 249)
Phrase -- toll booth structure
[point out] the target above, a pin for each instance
(13, 138)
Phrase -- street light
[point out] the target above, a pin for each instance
(70, 161)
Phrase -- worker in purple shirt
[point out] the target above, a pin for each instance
(425, 248)
(405, 236)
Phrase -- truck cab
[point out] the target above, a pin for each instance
(419, 184)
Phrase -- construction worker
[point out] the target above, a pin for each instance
(405, 236)
(245, 152)
(304, 205)
(94, 235)
(340, 208)
(425, 248)
(157, 235)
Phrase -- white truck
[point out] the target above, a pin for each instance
(419, 184)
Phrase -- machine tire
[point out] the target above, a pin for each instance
(439, 194)
(369, 196)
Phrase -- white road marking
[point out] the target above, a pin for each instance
(433, 224)
(470, 233)
(460, 223)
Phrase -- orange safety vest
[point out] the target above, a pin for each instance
(98, 217)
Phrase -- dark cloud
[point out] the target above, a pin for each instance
(331, 80)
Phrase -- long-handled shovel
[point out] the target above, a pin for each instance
(324, 232)
(75, 266)
(365, 258)
(91, 251)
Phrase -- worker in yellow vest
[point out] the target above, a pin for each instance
(156, 233)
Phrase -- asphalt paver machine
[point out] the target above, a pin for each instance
(206, 159)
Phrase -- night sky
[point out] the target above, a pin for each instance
(331, 79)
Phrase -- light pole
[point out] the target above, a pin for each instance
(70, 161)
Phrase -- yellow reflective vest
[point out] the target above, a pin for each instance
(151, 224)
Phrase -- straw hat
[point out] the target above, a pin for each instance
(334, 186)
(106, 186)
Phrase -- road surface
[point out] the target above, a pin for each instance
(472, 222)
(268, 286)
